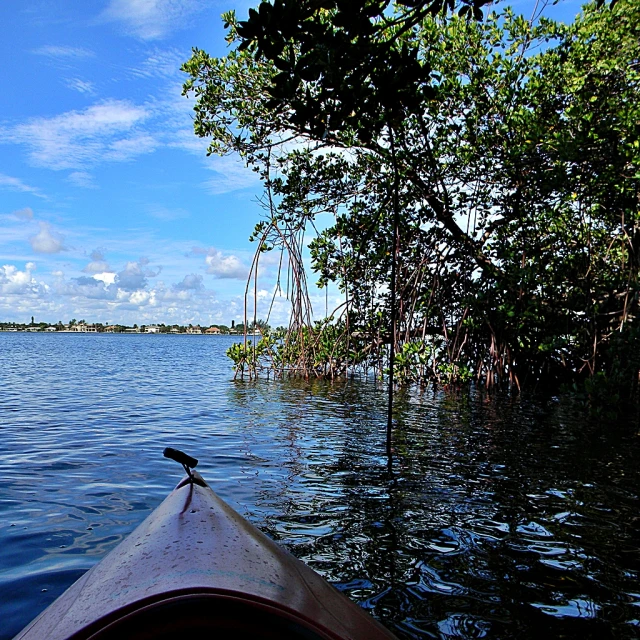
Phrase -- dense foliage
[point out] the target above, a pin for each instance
(509, 149)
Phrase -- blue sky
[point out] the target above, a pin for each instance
(109, 208)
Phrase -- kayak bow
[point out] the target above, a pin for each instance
(196, 566)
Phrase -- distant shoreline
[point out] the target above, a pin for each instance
(127, 333)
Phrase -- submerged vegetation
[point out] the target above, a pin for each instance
(481, 178)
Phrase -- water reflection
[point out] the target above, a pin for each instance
(488, 527)
(504, 517)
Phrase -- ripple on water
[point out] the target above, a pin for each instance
(26, 591)
(460, 625)
(505, 515)
(574, 608)
(444, 541)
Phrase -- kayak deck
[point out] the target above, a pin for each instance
(195, 565)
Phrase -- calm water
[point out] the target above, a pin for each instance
(511, 517)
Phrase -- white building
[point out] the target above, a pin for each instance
(81, 327)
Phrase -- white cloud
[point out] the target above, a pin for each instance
(119, 131)
(162, 64)
(24, 214)
(106, 277)
(76, 139)
(98, 298)
(191, 282)
(225, 266)
(98, 264)
(15, 184)
(150, 19)
(184, 138)
(128, 148)
(82, 179)
(230, 175)
(47, 240)
(81, 86)
(163, 213)
(141, 297)
(16, 282)
(87, 287)
(134, 276)
(56, 51)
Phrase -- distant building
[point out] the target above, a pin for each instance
(195, 329)
(110, 329)
(174, 330)
(84, 328)
(51, 329)
(153, 329)
(212, 330)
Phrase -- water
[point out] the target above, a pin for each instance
(506, 517)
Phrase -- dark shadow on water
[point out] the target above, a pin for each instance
(506, 515)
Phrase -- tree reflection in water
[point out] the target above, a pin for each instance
(505, 516)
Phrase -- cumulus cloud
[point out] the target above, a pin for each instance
(89, 288)
(98, 263)
(75, 139)
(47, 240)
(21, 286)
(191, 282)
(225, 266)
(14, 281)
(96, 300)
(108, 277)
(24, 214)
(150, 19)
(141, 297)
(132, 277)
(135, 276)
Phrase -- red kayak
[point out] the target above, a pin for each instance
(196, 566)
